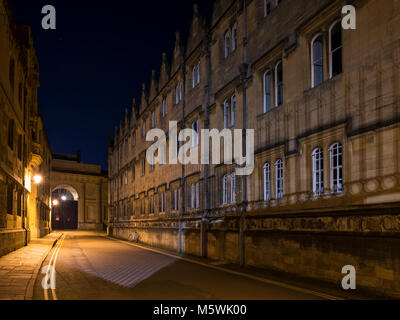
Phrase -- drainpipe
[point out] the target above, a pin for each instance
(183, 181)
(204, 221)
(244, 73)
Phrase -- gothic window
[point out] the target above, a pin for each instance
(318, 171)
(198, 72)
(194, 77)
(317, 61)
(164, 109)
(192, 196)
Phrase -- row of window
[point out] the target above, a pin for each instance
(273, 79)
(336, 173)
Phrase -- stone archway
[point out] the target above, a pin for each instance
(65, 208)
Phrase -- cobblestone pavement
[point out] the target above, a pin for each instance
(19, 269)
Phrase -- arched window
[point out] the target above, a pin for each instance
(198, 73)
(234, 37)
(197, 195)
(336, 162)
(267, 182)
(225, 189)
(192, 198)
(278, 84)
(318, 171)
(194, 77)
(233, 110)
(226, 114)
(177, 94)
(279, 179)
(227, 43)
(317, 61)
(335, 49)
(233, 187)
(267, 91)
(267, 7)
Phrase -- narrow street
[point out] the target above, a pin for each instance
(90, 266)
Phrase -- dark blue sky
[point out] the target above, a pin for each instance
(94, 63)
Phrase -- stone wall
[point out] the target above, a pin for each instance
(315, 247)
(11, 240)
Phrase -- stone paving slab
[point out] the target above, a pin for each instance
(19, 269)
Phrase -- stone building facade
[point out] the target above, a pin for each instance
(88, 185)
(324, 104)
(25, 154)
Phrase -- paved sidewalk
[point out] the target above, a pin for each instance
(19, 269)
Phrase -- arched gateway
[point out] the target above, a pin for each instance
(79, 194)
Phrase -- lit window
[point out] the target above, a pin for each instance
(267, 91)
(336, 162)
(233, 187)
(278, 84)
(317, 61)
(318, 171)
(279, 179)
(267, 182)
(335, 50)
(225, 189)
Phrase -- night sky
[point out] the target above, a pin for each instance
(94, 63)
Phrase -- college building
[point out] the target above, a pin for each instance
(324, 104)
(25, 153)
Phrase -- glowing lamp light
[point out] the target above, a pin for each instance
(37, 179)
(64, 198)
(55, 202)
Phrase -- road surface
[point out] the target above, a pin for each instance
(90, 266)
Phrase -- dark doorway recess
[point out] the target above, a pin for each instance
(65, 211)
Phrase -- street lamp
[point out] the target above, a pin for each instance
(64, 198)
(37, 179)
(55, 203)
